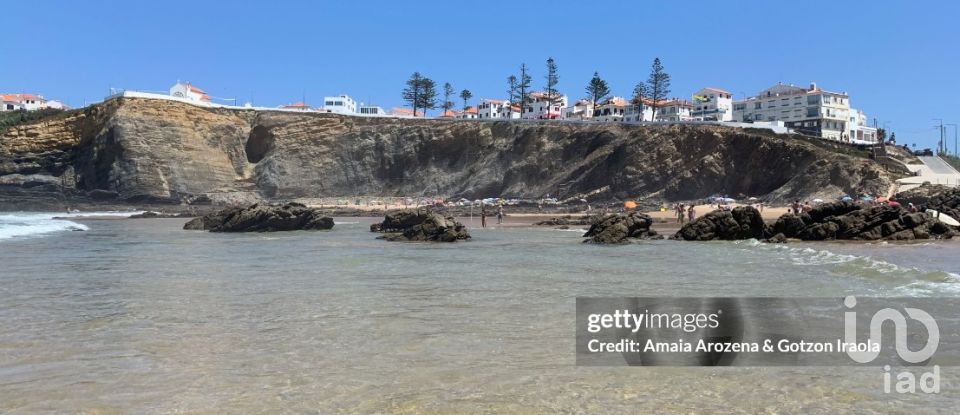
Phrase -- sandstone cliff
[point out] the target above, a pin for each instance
(137, 151)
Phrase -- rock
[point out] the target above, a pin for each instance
(937, 197)
(620, 228)
(742, 222)
(262, 218)
(850, 221)
(568, 221)
(420, 225)
(779, 238)
(789, 225)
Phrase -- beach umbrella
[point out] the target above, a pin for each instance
(867, 198)
(729, 199)
(630, 204)
(846, 198)
(753, 198)
(881, 199)
(893, 203)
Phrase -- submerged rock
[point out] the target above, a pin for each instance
(742, 222)
(262, 218)
(420, 225)
(620, 228)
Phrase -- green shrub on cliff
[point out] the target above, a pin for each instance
(12, 118)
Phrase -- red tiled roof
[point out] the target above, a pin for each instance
(710, 88)
(494, 101)
(447, 114)
(296, 105)
(470, 110)
(20, 97)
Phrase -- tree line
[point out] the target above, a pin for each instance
(421, 93)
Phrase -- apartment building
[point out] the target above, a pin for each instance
(858, 131)
(340, 104)
(810, 111)
(712, 104)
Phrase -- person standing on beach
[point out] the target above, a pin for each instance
(691, 214)
(483, 215)
(499, 214)
(681, 212)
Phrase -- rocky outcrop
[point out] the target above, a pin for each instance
(851, 221)
(937, 197)
(569, 221)
(420, 225)
(742, 222)
(262, 217)
(135, 151)
(620, 228)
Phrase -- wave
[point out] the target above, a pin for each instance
(16, 225)
(904, 280)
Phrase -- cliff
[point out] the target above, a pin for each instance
(130, 151)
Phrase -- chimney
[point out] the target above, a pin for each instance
(813, 86)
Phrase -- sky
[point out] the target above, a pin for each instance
(898, 60)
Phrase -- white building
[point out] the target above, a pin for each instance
(468, 114)
(341, 104)
(28, 102)
(712, 104)
(490, 108)
(674, 110)
(810, 111)
(612, 109)
(371, 110)
(638, 112)
(188, 91)
(580, 110)
(539, 107)
(857, 129)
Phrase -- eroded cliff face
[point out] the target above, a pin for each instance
(134, 150)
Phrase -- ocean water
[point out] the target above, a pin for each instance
(139, 316)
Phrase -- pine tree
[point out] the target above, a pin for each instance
(658, 85)
(428, 95)
(640, 94)
(512, 91)
(447, 93)
(597, 89)
(551, 89)
(523, 85)
(412, 93)
(465, 95)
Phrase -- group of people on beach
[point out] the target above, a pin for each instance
(483, 215)
(684, 211)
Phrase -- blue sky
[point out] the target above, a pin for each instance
(898, 60)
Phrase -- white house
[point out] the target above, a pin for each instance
(674, 110)
(10, 105)
(857, 129)
(468, 114)
(712, 104)
(580, 110)
(541, 107)
(612, 109)
(188, 91)
(638, 112)
(811, 111)
(490, 108)
(341, 104)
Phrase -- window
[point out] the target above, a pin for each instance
(812, 111)
(756, 106)
(813, 100)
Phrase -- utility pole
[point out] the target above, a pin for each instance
(940, 143)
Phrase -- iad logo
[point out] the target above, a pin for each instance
(906, 381)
